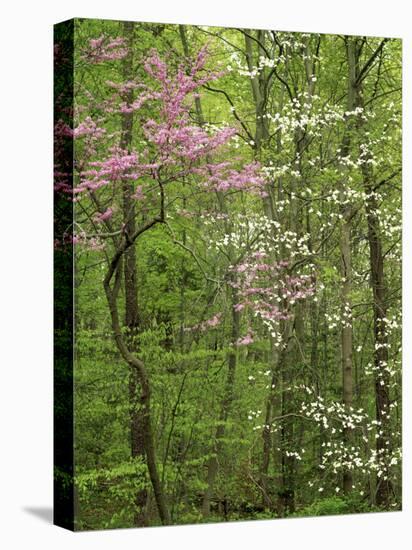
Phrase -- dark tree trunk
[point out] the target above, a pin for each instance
(112, 295)
(384, 487)
(131, 321)
(377, 281)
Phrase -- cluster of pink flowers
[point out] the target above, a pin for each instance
(248, 178)
(223, 177)
(210, 323)
(175, 141)
(184, 142)
(175, 146)
(62, 182)
(105, 49)
(68, 239)
(136, 105)
(61, 129)
(298, 287)
(106, 215)
(119, 166)
(175, 89)
(88, 128)
(245, 340)
(267, 289)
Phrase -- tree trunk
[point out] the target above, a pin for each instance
(377, 281)
(346, 337)
(273, 403)
(346, 268)
(258, 90)
(131, 321)
(112, 294)
(384, 486)
(213, 465)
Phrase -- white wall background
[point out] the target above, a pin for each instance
(26, 272)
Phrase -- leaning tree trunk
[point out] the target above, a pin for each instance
(112, 295)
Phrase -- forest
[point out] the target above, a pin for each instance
(236, 248)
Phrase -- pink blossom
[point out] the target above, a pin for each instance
(248, 178)
(96, 42)
(209, 323)
(258, 255)
(138, 193)
(62, 129)
(105, 49)
(214, 321)
(245, 341)
(88, 127)
(104, 216)
(259, 286)
(123, 86)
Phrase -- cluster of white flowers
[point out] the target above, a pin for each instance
(267, 61)
(258, 232)
(306, 113)
(252, 415)
(391, 224)
(273, 172)
(382, 369)
(335, 319)
(359, 455)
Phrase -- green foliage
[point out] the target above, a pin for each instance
(335, 505)
(267, 413)
(327, 507)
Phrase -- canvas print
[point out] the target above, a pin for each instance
(227, 274)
